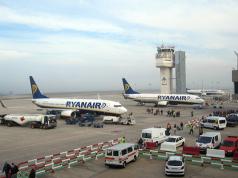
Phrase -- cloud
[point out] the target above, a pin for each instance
(13, 54)
(57, 22)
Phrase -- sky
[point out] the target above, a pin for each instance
(89, 45)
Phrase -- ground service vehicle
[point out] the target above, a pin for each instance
(130, 120)
(232, 120)
(209, 140)
(121, 154)
(153, 136)
(214, 122)
(230, 145)
(32, 120)
(175, 165)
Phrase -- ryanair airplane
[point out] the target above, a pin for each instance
(159, 99)
(70, 106)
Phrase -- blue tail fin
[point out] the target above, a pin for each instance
(36, 94)
(127, 87)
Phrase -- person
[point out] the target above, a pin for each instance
(14, 169)
(6, 169)
(175, 129)
(191, 113)
(123, 139)
(32, 173)
(200, 130)
(191, 129)
(140, 143)
(181, 125)
(161, 112)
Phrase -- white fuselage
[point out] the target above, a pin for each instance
(207, 92)
(169, 98)
(91, 105)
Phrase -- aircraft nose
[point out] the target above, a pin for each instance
(202, 100)
(123, 110)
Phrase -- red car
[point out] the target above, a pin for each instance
(230, 145)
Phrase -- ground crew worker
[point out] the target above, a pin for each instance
(123, 139)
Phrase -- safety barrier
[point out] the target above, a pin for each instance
(168, 147)
(215, 153)
(221, 163)
(191, 150)
(51, 163)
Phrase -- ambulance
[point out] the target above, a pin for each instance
(121, 154)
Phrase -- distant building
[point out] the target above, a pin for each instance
(235, 81)
(180, 67)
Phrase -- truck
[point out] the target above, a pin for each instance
(126, 120)
(33, 120)
(230, 145)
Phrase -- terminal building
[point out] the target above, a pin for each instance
(180, 68)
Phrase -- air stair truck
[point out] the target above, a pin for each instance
(32, 120)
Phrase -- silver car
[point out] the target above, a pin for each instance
(175, 165)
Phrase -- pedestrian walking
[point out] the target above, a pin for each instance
(175, 129)
(7, 169)
(200, 130)
(181, 125)
(191, 113)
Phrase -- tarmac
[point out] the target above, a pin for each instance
(23, 143)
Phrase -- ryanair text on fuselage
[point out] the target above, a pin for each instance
(92, 105)
(176, 98)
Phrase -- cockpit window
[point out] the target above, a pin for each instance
(117, 106)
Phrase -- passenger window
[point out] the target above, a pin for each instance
(136, 147)
(109, 152)
(115, 153)
(129, 149)
(216, 138)
(123, 152)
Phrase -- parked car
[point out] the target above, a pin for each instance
(175, 140)
(172, 143)
(230, 145)
(232, 120)
(175, 165)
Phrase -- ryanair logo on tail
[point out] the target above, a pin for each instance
(127, 87)
(34, 89)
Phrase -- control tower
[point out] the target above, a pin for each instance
(165, 61)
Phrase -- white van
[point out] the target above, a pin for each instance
(154, 135)
(214, 122)
(121, 154)
(209, 140)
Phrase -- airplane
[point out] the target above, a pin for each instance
(159, 99)
(69, 107)
(206, 92)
